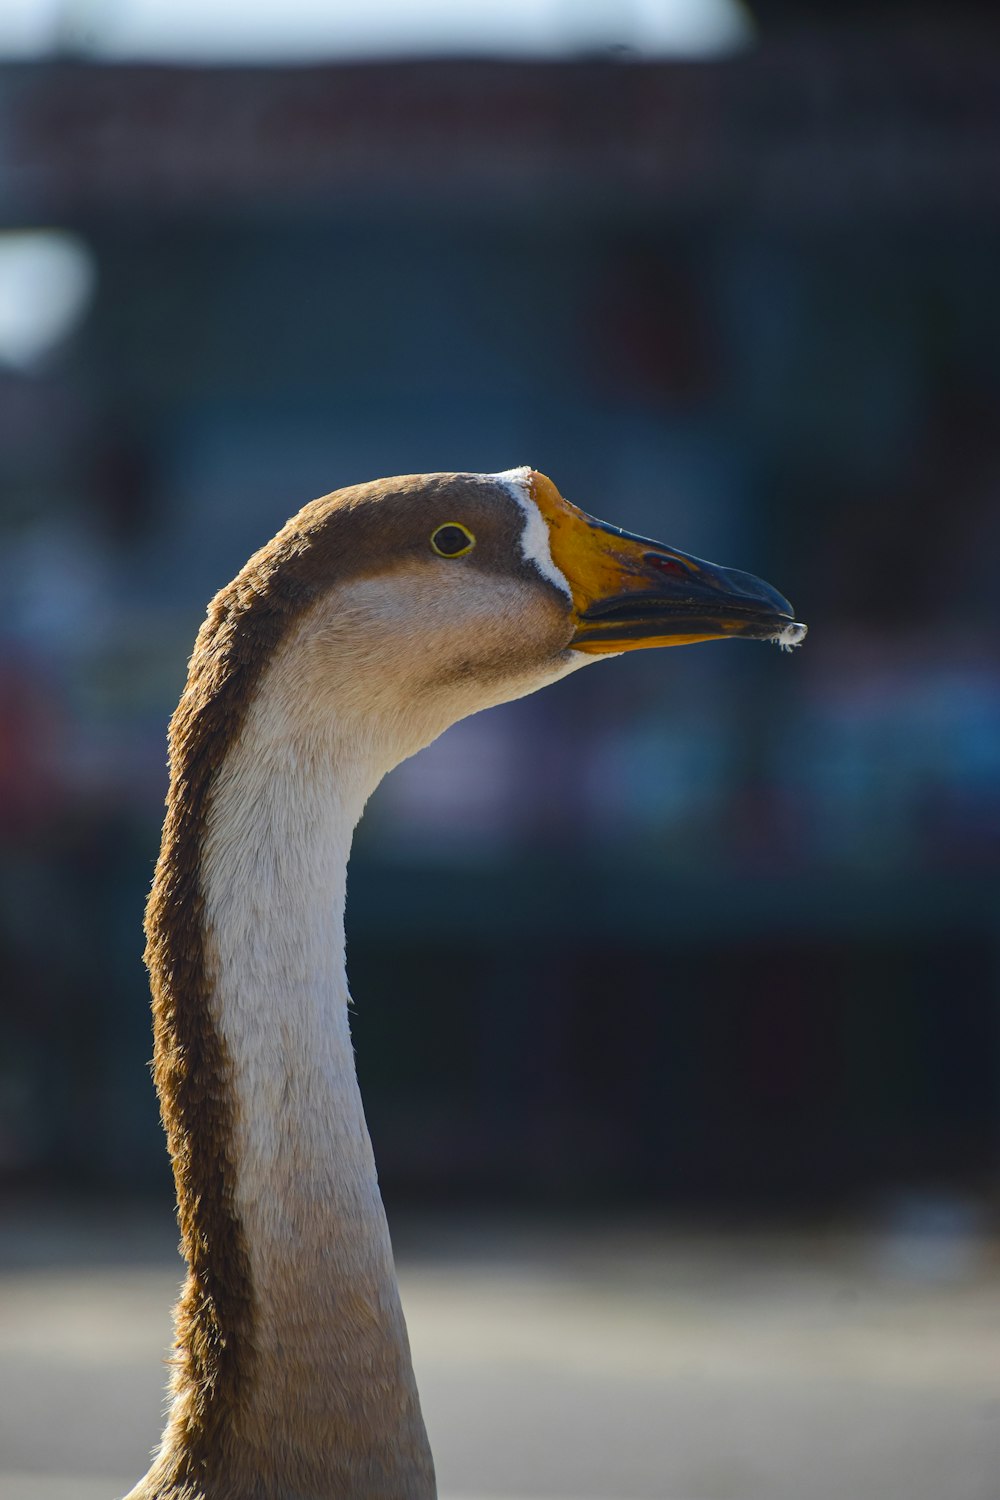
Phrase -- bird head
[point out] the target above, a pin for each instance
(422, 599)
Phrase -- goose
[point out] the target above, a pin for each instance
(378, 616)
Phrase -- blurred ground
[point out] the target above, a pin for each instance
(631, 1364)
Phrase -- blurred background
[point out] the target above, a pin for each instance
(677, 985)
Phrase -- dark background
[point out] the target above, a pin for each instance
(712, 929)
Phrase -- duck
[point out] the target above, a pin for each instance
(377, 616)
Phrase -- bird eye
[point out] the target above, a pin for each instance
(453, 540)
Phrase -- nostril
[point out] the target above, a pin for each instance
(666, 564)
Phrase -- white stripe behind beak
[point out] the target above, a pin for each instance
(535, 536)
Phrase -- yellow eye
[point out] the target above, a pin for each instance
(452, 540)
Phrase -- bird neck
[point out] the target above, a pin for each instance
(318, 1398)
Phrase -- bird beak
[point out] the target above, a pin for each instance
(629, 592)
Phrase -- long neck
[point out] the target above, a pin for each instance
(325, 1402)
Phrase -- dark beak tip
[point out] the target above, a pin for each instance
(755, 591)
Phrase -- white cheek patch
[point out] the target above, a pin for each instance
(535, 536)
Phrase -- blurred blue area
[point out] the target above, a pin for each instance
(712, 924)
